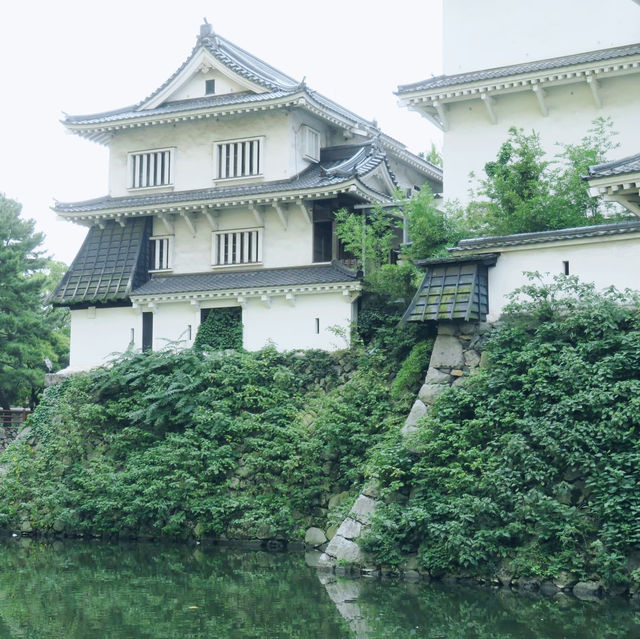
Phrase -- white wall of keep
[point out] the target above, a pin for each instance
(294, 327)
(472, 140)
(193, 142)
(495, 33)
(97, 335)
(175, 325)
(100, 335)
(290, 246)
(613, 261)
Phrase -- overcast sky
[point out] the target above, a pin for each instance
(83, 57)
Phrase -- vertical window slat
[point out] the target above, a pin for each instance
(245, 247)
(152, 170)
(232, 160)
(145, 166)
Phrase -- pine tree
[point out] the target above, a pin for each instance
(25, 337)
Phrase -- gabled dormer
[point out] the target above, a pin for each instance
(217, 67)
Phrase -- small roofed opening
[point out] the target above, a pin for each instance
(452, 289)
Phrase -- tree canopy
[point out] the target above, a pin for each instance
(524, 192)
(31, 334)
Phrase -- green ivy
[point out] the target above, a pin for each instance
(221, 329)
(535, 463)
(200, 444)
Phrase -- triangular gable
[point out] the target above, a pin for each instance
(189, 81)
(381, 179)
(236, 69)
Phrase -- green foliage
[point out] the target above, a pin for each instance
(387, 292)
(431, 228)
(408, 379)
(29, 332)
(195, 444)
(523, 192)
(433, 155)
(222, 328)
(533, 462)
(370, 237)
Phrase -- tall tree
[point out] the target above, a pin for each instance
(25, 338)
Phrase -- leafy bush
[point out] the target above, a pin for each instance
(535, 461)
(194, 444)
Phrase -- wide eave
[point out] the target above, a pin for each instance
(431, 96)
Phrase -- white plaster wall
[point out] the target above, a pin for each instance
(193, 141)
(171, 323)
(292, 327)
(472, 140)
(300, 118)
(292, 246)
(95, 341)
(494, 33)
(195, 86)
(605, 263)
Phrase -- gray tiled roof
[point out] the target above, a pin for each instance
(519, 239)
(443, 81)
(630, 164)
(176, 106)
(236, 280)
(110, 263)
(363, 159)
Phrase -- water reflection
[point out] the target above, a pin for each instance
(85, 590)
(380, 609)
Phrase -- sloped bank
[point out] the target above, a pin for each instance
(230, 446)
(526, 475)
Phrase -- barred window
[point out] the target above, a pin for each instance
(237, 247)
(160, 253)
(238, 158)
(151, 168)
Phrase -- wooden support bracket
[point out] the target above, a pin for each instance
(281, 214)
(257, 213)
(189, 222)
(167, 223)
(541, 94)
(595, 90)
(490, 102)
(212, 218)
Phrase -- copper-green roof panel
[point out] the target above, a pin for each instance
(110, 263)
(452, 290)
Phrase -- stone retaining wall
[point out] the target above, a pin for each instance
(457, 354)
(8, 433)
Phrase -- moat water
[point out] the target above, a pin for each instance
(87, 590)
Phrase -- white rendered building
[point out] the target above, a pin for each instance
(547, 66)
(223, 184)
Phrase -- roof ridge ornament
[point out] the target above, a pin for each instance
(207, 33)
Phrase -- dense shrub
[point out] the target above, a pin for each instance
(199, 444)
(534, 465)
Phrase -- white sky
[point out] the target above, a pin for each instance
(84, 57)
